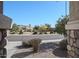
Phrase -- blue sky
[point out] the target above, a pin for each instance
(34, 12)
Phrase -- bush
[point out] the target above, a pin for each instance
(63, 44)
(35, 44)
(21, 32)
(51, 32)
(40, 33)
(34, 32)
(26, 44)
(45, 32)
(32, 43)
(12, 32)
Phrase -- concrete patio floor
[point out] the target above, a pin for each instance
(46, 50)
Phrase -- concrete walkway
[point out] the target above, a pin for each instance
(14, 50)
(11, 47)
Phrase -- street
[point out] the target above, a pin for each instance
(28, 37)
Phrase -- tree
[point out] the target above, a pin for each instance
(24, 28)
(36, 28)
(20, 32)
(60, 26)
(42, 28)
(48, 27)
(15, 28)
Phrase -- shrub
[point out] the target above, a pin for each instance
(63, 44)
(45, 32)
(34, 32)
(40, 33)
(35, 44)
(20, 32)
(12, 32)
(32, 43)
(26, 44)
(51, 32)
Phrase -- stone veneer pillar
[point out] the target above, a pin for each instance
(1, 7)
(5, 24)
(73, 30)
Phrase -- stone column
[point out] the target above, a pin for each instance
(3, 51)
(73, 30)
(5, 24)
(2, 35)
(1, 7)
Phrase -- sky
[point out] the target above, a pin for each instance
(35, 12)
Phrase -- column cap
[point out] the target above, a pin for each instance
(5, 22)
(72, 25)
